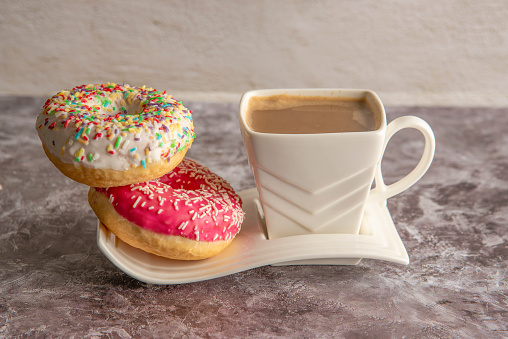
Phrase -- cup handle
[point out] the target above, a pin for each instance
(382, 191)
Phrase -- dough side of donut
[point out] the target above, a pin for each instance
(109, 178)
(168, 246)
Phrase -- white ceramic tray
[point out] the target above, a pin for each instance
(378, 239)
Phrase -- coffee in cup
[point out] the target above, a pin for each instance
(293, 114)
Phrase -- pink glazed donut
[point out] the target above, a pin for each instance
(189, 213)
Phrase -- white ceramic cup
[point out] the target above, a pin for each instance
(320, 183)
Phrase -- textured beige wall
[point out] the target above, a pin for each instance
(410, 52)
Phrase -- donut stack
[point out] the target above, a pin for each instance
(129, 144)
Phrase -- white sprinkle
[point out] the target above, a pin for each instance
(159, 211)
(151, 208)
(136, 203)
(197, 235)
(124, 146)
(194, 216)
(133, 197)
(215, 238)
(143, 204)
(183, 225)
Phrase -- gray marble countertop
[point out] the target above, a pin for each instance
(54, 281)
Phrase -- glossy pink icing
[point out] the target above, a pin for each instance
(189, 201)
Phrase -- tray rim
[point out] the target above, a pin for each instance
(383, 243)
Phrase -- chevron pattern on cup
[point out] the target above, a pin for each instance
(337, 208)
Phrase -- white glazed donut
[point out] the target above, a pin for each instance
(111, 135)
(188, 214)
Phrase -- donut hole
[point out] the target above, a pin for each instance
(133, 109)
(114, 105)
